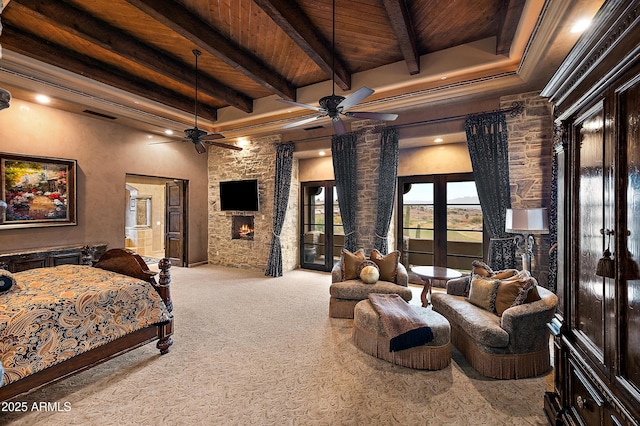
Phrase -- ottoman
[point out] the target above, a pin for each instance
(369, 336)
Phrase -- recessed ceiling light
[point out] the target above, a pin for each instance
(322, 153)
(43, 99)
(580, 26)
(438, 140)
(444, 77)
(168, 132)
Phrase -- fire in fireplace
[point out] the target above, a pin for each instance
(242, 228)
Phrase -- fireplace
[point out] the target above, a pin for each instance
(242, 228)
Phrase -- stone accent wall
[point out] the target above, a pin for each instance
(255, 161)
(368, 165)
(530, 165)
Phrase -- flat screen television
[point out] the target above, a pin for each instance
(239, 195)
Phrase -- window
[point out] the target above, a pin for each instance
(440, 221)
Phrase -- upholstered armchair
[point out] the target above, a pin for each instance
(347, 289)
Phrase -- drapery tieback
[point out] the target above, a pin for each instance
(275, 235)
(380, 236)
(501, 239)
(350, 233)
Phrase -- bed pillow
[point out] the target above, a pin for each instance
(7, 281)
(350, 262)
(388, 264)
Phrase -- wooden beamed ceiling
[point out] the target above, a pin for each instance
(251, 49)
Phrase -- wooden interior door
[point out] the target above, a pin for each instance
(175, 222)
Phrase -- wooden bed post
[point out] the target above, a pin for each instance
(164, 332)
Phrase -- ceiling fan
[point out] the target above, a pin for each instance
(197, 136)
(333, 106)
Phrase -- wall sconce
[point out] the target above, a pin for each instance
(529, 222)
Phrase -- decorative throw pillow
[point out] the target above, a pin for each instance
(515, 291)
(480, 268)
(7, 280)
(482, 291)
(368, 272)
(533, 295)
(350, 262)
(504, 274)
(388, 264)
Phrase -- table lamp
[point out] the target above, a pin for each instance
(529, 222)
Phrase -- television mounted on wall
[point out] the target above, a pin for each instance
(239, 195)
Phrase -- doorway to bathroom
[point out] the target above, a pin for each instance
(156, 218)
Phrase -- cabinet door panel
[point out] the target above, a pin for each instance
(589, 294)
(630, 303)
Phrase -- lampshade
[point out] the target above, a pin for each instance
(531, 221)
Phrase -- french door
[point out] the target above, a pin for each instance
(321, 231)
(439, 221)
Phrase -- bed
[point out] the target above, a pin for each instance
(58, 321)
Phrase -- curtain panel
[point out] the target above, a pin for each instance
(553, 227)
(345, 169)
(488, 148)
(388, 174)
(282, 184)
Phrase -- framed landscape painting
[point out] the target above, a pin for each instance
(37, 191)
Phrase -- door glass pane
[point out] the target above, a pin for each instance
(590, 287)
(338, 229)
(417, 227)
(314, 225)
(464, 225)
(631, 332)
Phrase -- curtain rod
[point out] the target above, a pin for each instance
(516, 109)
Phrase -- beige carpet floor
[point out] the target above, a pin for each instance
(251, 350)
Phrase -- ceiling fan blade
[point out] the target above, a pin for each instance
(339, 126)
(211, 136)
(298, 104)
(200, 148)
(355, 98)
(224, 145)
(372, 115)
(301, 122)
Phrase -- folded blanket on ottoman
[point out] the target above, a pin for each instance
(404, 327)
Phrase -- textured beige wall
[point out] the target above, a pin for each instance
(435, 159)
(105, 152)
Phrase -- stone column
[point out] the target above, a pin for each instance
(530, 165)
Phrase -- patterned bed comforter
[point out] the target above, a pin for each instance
(56, 313)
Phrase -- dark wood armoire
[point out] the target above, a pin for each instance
(596, 96)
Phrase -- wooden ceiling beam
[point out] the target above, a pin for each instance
(42, 50)
(295, 23)
(174, 16)
(405, 33)
(508, 25)
(76, 22)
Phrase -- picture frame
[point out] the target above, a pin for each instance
(37, 191)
